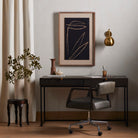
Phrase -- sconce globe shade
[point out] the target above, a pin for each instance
(109, 41)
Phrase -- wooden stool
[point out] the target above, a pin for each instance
(18, 103)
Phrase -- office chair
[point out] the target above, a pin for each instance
(83, 98)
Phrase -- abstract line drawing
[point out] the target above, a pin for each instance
(76, 38)
(76, 48)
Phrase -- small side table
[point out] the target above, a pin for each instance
(18, 103)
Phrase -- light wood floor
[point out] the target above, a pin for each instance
(59, 129)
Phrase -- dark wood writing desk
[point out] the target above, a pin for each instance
(81, 81)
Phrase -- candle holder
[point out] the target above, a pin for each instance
(104, 73)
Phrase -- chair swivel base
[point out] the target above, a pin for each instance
(91, 122)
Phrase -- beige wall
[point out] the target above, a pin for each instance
(121, 16)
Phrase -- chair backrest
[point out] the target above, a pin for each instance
(106, 87)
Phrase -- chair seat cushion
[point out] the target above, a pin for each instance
(80, 103)
(99, 103)
(85, 103)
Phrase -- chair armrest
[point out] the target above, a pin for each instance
(69, 96)
(82, 89)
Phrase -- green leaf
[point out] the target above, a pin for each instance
(17, 70)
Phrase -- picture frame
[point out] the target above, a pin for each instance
(77, 38)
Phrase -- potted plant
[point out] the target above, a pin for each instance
(17, 69)
(20, 67)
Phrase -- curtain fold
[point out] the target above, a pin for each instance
(16, 34)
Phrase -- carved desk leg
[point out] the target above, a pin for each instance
(16, 113)
(20, 113)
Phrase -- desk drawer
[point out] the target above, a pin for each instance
(62, 82)
(120, 82)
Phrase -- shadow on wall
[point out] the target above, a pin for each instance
(56, 34)
(99, 43)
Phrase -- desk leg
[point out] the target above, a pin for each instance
(41, 124)
(126, 105)
(44, 105)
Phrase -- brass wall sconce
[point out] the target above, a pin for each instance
(109, 41)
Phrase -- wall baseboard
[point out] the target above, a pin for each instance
(81, 115)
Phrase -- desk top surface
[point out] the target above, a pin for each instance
(78, 81)
(81, 76)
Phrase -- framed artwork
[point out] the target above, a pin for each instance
(77, 38)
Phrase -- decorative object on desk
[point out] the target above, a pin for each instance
(76, 38)
(53, 68)
(17, 69)
(59, 72)
(109, 41)
(104, 72)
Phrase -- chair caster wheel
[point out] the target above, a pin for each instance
(99, 133)
(70, 131)
(109, 128)
(81, 126)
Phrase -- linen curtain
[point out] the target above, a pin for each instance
(16, 33)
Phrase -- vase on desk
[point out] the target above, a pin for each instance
(53, 68)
